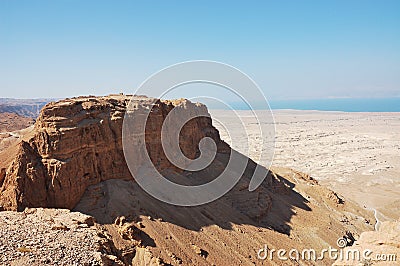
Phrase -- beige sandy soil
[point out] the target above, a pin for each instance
(356, 154)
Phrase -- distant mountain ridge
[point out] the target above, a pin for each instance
(23, 107)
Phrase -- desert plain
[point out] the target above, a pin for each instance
(355, 154)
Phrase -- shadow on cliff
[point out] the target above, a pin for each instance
(269, 206)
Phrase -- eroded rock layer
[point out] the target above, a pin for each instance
(77, 142)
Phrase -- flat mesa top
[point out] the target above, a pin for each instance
(99, 100)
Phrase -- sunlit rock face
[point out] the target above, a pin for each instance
(77, 142)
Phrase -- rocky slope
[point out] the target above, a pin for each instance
(48, 236)
(383, 244)
(132, 228)
(11, 122)
(72, 158)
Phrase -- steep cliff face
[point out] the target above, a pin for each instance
(77, 142)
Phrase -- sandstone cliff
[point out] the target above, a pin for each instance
(77, 142)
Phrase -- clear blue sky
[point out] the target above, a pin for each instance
(292, 49)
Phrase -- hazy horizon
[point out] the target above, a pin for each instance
(327, 104)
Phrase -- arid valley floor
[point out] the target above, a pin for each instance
(356, 154)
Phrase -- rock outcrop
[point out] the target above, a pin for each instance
(381, 247)
(77, 142)
(40, 236)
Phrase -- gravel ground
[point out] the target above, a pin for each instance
(48, 236)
